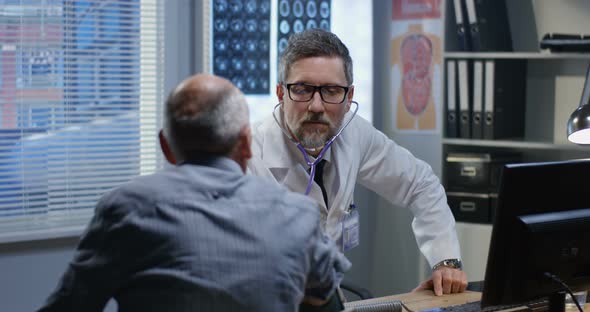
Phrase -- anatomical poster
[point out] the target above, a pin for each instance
(416, 58)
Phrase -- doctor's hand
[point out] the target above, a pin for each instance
(445, 280)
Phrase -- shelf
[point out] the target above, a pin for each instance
(517, 55)
(516, 144)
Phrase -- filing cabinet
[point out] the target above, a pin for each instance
(473, 207)
(475, 172)
(472, 182)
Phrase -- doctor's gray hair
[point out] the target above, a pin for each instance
(314, 43)
(205, 120)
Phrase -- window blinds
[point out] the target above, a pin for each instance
(81, 85)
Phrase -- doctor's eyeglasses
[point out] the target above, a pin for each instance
(300, 92)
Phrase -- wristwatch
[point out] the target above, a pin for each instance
(450, 263)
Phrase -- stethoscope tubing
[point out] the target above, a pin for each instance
(310, 163)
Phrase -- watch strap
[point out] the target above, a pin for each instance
(450, 263)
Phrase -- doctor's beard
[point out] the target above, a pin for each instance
(311, 137)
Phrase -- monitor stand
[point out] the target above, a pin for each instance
(557, 302)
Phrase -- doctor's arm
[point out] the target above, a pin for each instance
(394, 173)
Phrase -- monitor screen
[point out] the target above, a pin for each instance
(541, 225)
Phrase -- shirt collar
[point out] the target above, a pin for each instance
(215, 161)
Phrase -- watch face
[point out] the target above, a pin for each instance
(451, 263)
(454, 263)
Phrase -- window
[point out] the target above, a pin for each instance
(80, 104)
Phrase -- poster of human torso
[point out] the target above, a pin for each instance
(416, 58)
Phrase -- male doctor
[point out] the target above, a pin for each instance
(314, 138)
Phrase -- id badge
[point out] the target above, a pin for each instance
(350, 229)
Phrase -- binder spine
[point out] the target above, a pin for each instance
(452, 121)
(474, 32)
(488, 122)
(462, 32)
(464, 111)
(477, 117)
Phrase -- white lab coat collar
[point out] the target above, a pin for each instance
(284, 160)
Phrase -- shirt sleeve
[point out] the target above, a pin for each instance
(328, 265)
(406, 181)
(90, 278)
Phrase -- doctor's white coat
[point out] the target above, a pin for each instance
(365, 155)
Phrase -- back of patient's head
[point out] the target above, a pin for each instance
(204, 115)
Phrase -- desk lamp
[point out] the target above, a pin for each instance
(578, 126)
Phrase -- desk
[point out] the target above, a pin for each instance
(422, 300)
(425, 299)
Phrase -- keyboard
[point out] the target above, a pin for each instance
(475, 306)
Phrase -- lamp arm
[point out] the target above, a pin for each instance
(586, 91)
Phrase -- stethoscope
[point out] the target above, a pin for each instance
(310, 163)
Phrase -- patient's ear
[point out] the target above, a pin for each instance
(246, 136)
(166, 148)
(242, 151)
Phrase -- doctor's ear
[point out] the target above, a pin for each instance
(349, 97)
(280, 92)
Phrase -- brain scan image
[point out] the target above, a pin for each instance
(221, 45)
(264, 6)
(311, 9)
(235, 6)
(325, 9)
(298, 26)
(299, 15)
(264, 26)
(220, 6)
(240, 49)
(251, 6)
(241, 39)
(284, 8)
(298, 8)
(284, 27)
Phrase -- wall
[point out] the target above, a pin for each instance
(397, 263)
(29, 271)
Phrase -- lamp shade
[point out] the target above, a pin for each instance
(578, 126)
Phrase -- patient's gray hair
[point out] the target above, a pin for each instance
(205, 115)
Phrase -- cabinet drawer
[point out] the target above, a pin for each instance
(475, 172)
(472, 207)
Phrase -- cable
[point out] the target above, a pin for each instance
(570, 292)
(382, 306)
(405, 306)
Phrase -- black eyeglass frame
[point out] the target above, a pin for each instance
(316, 89)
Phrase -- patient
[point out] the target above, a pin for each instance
(201, 235)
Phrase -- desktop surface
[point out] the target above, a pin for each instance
(426, 300)
(421, 300)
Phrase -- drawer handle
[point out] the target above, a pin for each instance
(467, 206)
(468, 171)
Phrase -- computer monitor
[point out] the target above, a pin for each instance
(541, 225)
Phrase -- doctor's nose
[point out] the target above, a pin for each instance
(316, 104)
